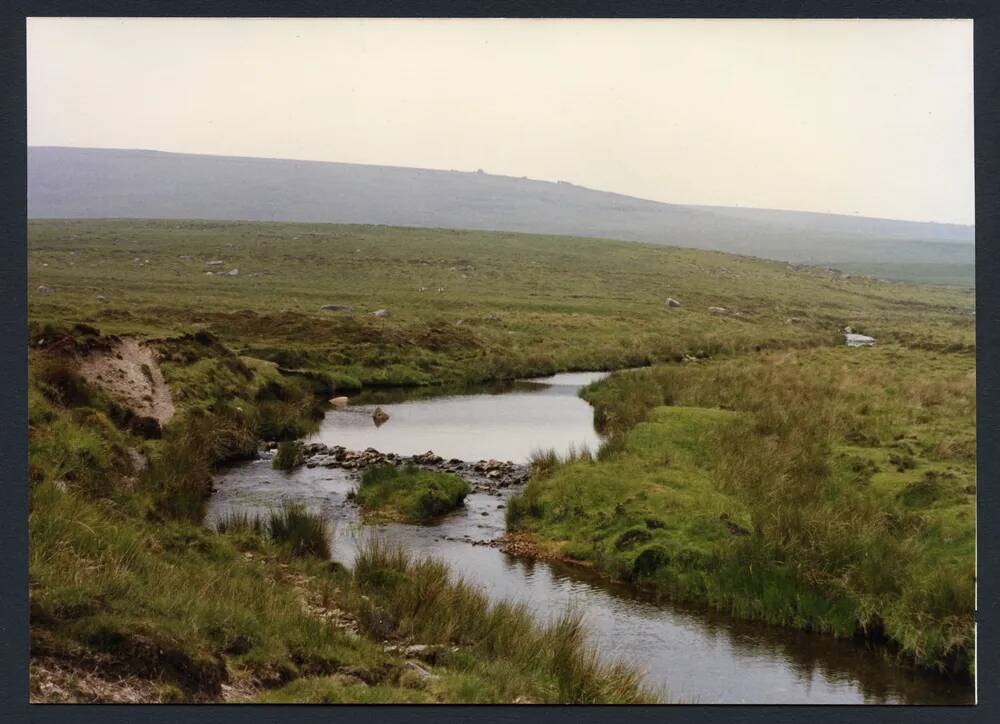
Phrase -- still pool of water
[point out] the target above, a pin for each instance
(691, 654)
(507, 423)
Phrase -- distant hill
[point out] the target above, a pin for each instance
(108, 183)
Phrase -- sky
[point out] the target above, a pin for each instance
(869, 117)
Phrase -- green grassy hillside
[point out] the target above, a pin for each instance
(463, 305)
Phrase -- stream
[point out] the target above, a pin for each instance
(690, 654)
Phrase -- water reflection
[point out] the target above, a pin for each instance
(505, 422)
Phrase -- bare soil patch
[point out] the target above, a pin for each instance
(129, 371)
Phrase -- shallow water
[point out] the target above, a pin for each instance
(691, 654)
(506, 423)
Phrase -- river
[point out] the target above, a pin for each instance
(688, 653)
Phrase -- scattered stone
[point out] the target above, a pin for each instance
(859, 340)
(42, 289)
(381, 313)
(337, 308)
(718, 310)
(214, 262)
(420, 671)
(101, 298)
(232, 273)
(339, 402)
(671, 302)
(380, 416)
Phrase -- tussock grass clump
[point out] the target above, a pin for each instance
(288, 456)
(180, 475)
(545, 462)
(410, 493)
(57, 377)
(240, 521)
(292, 528)
(302, 532)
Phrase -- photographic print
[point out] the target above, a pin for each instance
(501, 361)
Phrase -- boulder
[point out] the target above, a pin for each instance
(671, 302)
(859, 340)
(215, 262)
(380, 416)
(339, 402)
(381, 313)
(42, 289)
(233, 273)
(337, 308)
(419, 671)
(717, 310)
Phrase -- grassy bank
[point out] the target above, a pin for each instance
(409, 494)
(831, 490)
(132, 599)
(119, 595)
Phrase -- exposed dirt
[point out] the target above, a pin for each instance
(525, 545)
(130, 372)
(69, 681)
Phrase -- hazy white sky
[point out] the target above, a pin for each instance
(869, 117)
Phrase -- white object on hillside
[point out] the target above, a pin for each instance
(859, 340)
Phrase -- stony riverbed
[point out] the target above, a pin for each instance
(485, 476)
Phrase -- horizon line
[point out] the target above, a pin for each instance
(496, 175)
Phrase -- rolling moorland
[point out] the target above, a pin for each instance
(757, 465)
(118, 183)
